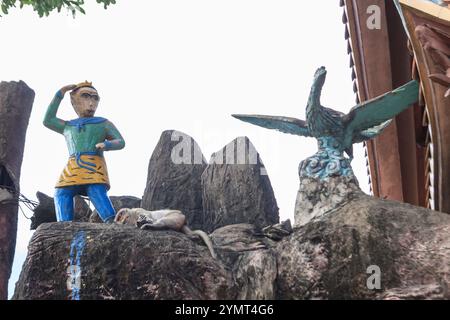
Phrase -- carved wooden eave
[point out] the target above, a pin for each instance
(380, 61)
(424, 21)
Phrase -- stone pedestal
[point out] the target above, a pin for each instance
(317, 197)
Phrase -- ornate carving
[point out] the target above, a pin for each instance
(437, 43)
(329, 161)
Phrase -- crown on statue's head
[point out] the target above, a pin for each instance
(84, 85)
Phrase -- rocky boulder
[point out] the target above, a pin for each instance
(367, 248)
(101, 261)
(246, 250)
(236, 188)
(316, 197)
(174, 177)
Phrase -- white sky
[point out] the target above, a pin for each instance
(178, 64)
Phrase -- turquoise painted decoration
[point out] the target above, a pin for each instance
(335, 131)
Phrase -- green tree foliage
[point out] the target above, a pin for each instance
(44, 7)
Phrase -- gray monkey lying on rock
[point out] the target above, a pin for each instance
(159, 220)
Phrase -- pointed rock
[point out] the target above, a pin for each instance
(174, 177)
(236, 188)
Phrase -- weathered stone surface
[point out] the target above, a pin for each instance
(45, 211)
(316, 197)
(245, 249)
(120, 262)
(328, 257)
(174, 177)
(236, 188)
(233, 240)
(16, 101)
(419, 292)
(278, 231)
(256, 274)
(118, 203)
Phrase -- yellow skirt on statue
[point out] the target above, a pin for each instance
(84, 169)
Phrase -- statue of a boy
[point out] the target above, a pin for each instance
(86, 137)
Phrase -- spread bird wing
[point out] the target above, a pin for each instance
(370, 133)
(283, 124)
(372, 113)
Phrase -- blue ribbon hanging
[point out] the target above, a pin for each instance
(85, 164)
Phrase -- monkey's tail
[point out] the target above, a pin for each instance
(185, 229)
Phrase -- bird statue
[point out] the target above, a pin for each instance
(335, 131)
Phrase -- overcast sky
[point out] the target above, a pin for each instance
(178, 64)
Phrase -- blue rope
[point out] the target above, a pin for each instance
(85, 164)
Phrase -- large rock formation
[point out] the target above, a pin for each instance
(366, 248)
(174, 177)
(345, 244)
(334, 255)
(16, 101)
(236, 188)
(101, 261)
